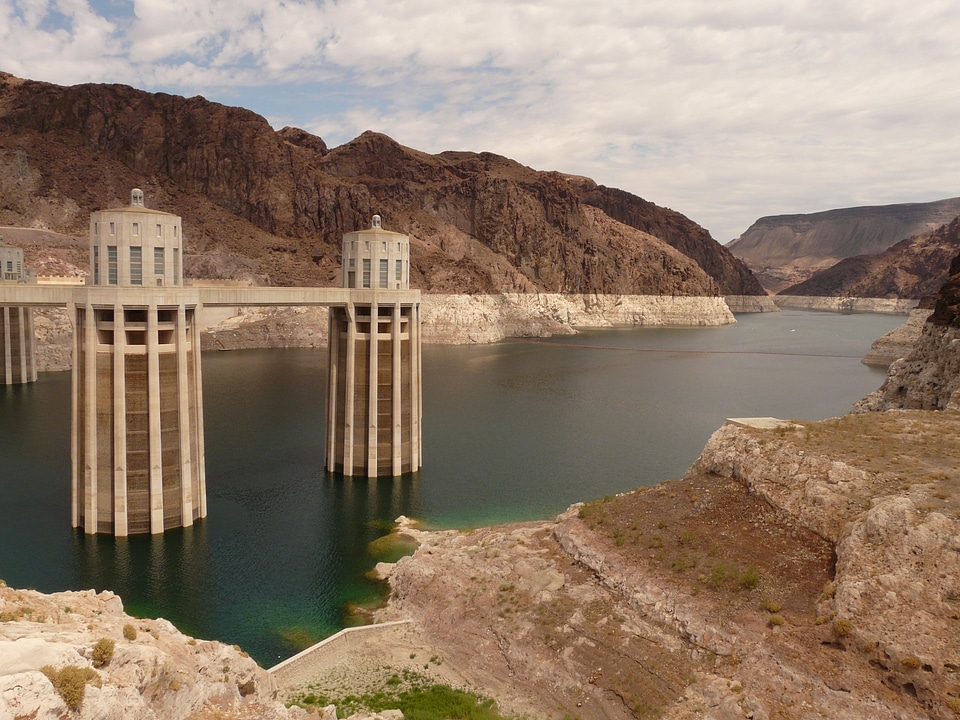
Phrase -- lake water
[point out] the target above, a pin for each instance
(515, 430)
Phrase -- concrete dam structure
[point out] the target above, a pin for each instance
(137, 446)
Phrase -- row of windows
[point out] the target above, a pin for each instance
(366, 245)
(365, 277)
(135, 229)
(136, 264)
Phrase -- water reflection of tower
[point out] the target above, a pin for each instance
(138, 462)
(373, 395)
(17, 348)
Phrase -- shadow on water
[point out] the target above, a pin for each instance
(156, 575)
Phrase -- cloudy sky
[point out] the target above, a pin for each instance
(726, 110)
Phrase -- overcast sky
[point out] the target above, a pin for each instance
(726, 110)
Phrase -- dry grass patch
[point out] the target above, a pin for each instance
(708, 534)
(918, 447)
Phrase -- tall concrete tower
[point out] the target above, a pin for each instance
(17, 345)
(373, 387)
(138, 459)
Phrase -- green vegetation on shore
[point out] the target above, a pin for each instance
(418, 697)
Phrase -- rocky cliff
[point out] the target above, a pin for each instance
(912, 268)
(272, 206)
(78, 655)
(793, 572)
(786, 249)
(928, 377)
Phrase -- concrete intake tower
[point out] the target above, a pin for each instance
(374, 379)
(137, 454)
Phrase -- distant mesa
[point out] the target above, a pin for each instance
(784, 250)
(912, 268)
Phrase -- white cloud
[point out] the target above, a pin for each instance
(724, 111)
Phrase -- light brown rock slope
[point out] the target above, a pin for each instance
(804, 572)
(154, 670)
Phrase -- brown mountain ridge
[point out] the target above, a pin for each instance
(785, 250)
(271, 206)
(911, 268)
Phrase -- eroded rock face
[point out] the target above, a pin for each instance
(899, 342)
(912, 268)
(272, 207)
(928, 378)
(895, 600)
(785, 250)
(154, 671)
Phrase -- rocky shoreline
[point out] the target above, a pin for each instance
(853, 614)
(448, 319)
(891, 306)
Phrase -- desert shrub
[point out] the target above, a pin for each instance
(776, 620)
(749, 578)
(771, 606)
(70, 682)
(102, 652)
(911, 661)
(842, 628)
(718, 574)
(129, 632)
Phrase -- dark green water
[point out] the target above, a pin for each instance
(516, 430)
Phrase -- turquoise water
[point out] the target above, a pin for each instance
(515, 430)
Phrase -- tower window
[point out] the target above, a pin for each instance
(136, 229)
(96, 265)
(366, 272)
(111, 264)
(113, 229)
(136, 265)
(158, 260)
(176, 263)
(384, 272)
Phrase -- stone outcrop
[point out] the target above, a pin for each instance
(928, 377)
(895, 599)
(784, 250)
(899, 342)
(277, 327)
(152, 671)
(457, 319)
(624, 598)
(751, 303)
(54, 339)
(271, 207)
